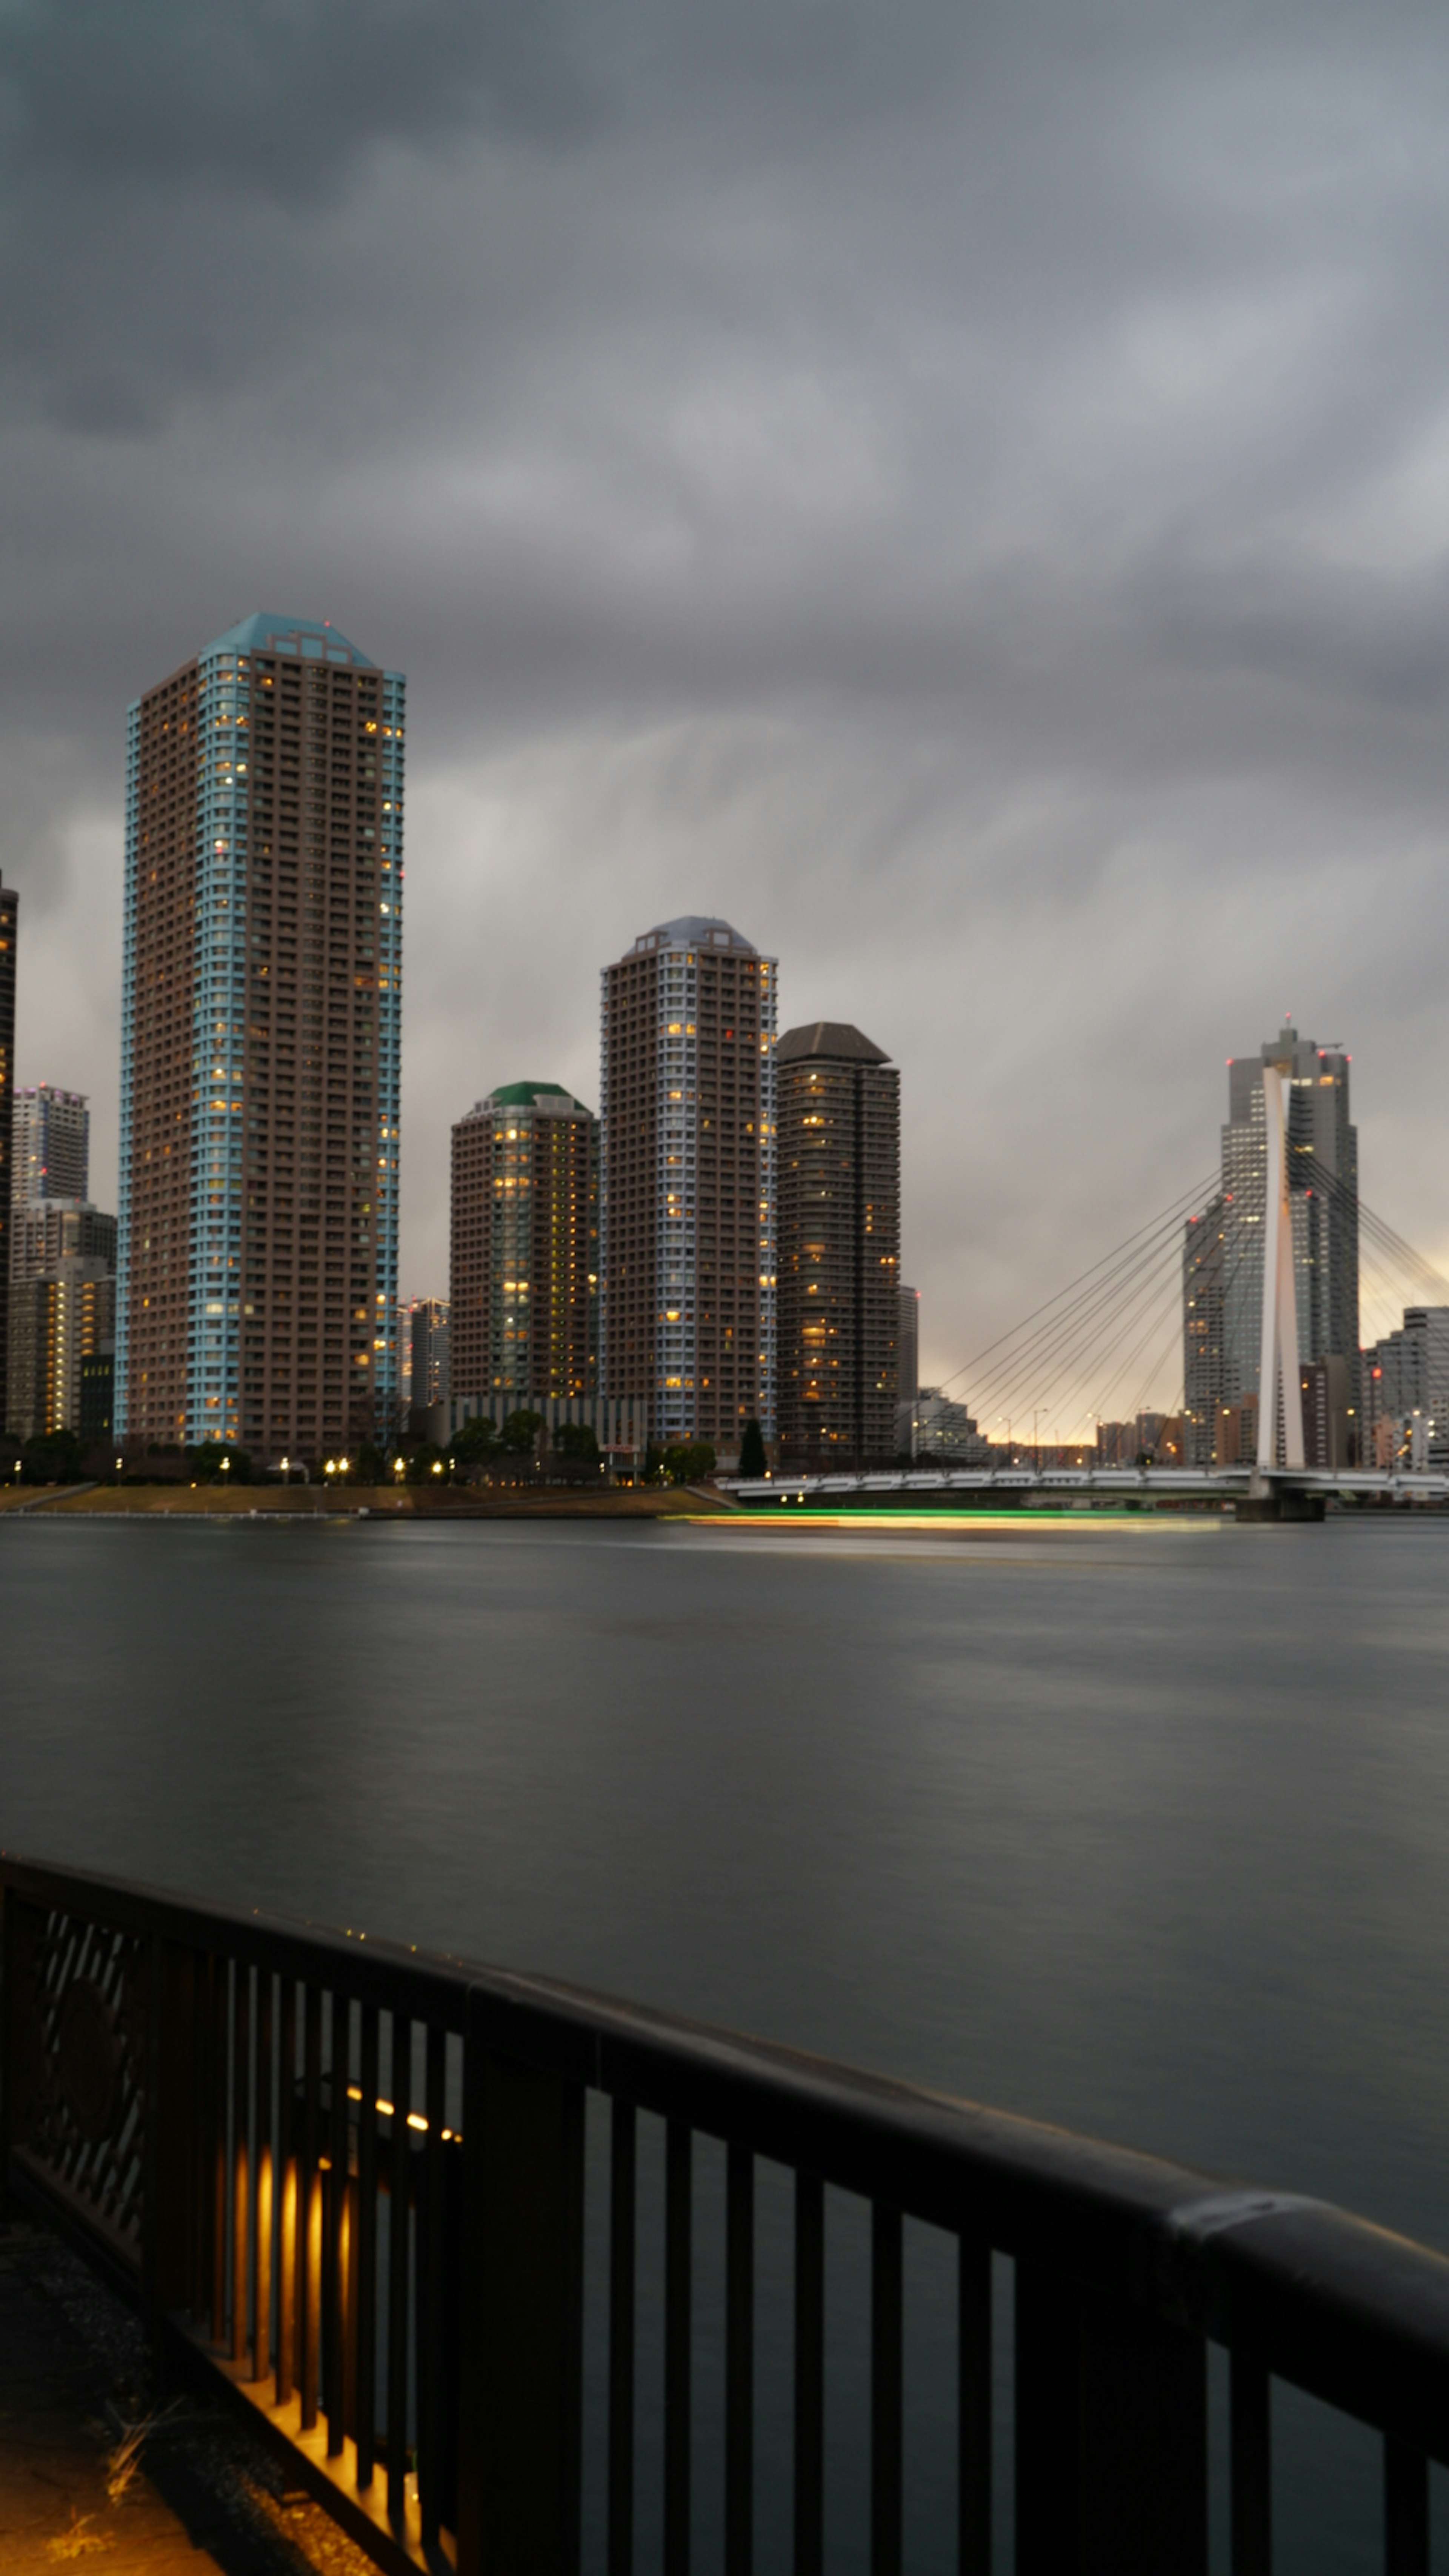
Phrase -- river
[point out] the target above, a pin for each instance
(1139, 1827)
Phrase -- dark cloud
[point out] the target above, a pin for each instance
(961, 489)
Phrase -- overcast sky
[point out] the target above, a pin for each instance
(962, 491)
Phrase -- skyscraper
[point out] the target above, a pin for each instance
(838, 1117)
(9, 919)
(1223, 1249)
(523, 1282)
(261, 1033)
(687, 1195)
(429, 1371)
(52, 1142)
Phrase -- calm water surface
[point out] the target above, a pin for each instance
(1144, 1829)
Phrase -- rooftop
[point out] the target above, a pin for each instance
(269, 631)
(833, 1039)
(695, 930)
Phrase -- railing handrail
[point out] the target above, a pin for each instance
(1345, 2309)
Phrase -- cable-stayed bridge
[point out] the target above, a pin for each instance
(1119, 1333)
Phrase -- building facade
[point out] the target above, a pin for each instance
(52, 1142)
(62, 1310)
(9, 925)
(1406, 1391)
(523, 1266)
(687, 1181)
(1223, 1249)
(261, 1047)
(838, 1235)
(429, 1373)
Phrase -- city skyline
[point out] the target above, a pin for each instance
(834, 487)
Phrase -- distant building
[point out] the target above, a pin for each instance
(687, 1258)
(908, 1368)
(429, 1377)
(1223, 1247)
(51, 1143)
(838, 1160)
(523, 1268)
(945, 1432)
(1406, 1383)
(1151, 1439)
(9, 919)
(62, 1310)
(97, 1387)
(260, 1047)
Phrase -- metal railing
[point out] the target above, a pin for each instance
(348, 2184)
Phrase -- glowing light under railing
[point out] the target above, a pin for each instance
(416, 2119)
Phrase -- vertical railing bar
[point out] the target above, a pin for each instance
(217, 2180)
(973, 2408)
(623, 2195)
(241, 2088)
(1250, 2421)
(809, 2513)
(1406, 2509)
(739, 2359)
(204, 2105)
(367, 2251)
(336, 2206)
(886, 2355)
(397, 2270)
(289, 2195)
(430, 2293)
(309, 2206)
(678, 2252)
(264, 2188)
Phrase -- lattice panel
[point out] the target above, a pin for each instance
(78, 2065)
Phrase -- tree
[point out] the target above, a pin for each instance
(686, 1461)
(752, 1451)
(476, 1441)
(576, 1447)
(213, 1463)
(369, 1466)
(521, 1430)
(52, 1458)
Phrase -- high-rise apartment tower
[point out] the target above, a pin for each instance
(687, 1197)
(52, 1143)
(838, 1116)
(260, 1063)
(523, 1285)
(9, 917)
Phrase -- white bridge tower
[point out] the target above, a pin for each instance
(1279, 1381)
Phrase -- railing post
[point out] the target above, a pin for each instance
(519, 2448)
(1111, 2436)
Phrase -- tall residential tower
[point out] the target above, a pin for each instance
(838, 1112)
(523, 1281)
(260, 1048)
(687, 1197)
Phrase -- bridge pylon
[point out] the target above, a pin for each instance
(1280, 1387)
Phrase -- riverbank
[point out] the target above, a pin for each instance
(376, 1502)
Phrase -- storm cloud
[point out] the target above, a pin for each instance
(963, 492)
